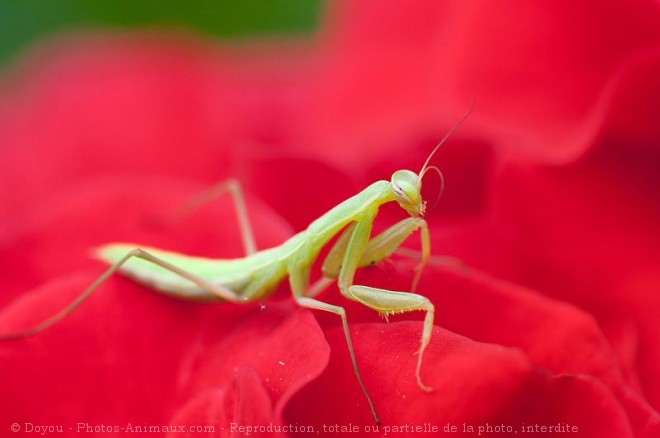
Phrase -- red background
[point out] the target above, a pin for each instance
(551, 201)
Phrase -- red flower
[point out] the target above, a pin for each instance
(551, 202)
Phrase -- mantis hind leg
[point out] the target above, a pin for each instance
(232, 186)
(220, 291)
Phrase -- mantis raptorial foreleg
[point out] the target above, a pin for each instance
(382, 300)
(377, 249)
(232, 186)
(388, 302)
(381, 247)
(374, 250)
(222, 292)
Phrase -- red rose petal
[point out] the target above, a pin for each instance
(149, 355)
(104, 364)
(244, 404)
(205, 414)
(475, 385)
(554, 335)
(610, 272)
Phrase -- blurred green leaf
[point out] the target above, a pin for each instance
(23, 22)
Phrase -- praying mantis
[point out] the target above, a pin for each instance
(258, 273)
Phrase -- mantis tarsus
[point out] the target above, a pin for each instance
(255, 276)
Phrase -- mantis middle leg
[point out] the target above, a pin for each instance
(299, 280)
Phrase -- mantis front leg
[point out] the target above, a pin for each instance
(388, 302)
(381, 247)
(359, 251)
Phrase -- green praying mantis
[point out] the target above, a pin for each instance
(256, 275)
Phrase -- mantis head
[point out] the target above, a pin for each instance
(407, 185)
(407, 190)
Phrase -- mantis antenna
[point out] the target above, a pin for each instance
(447, 135)
(442, 184)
